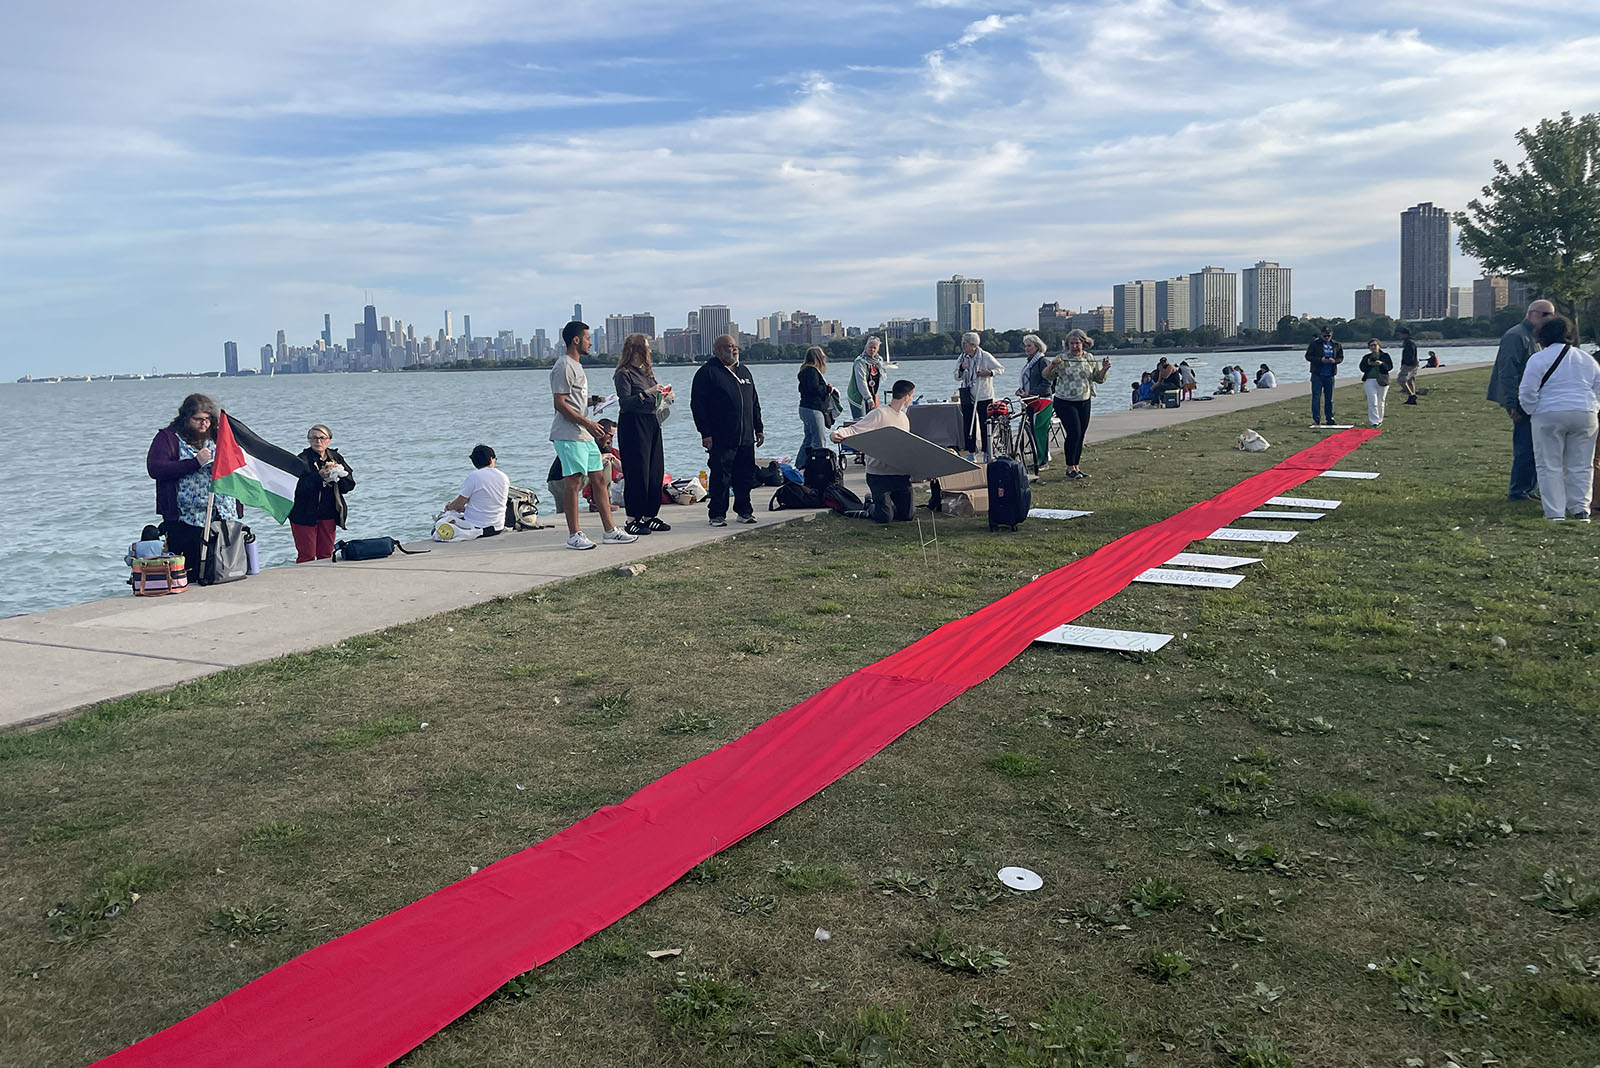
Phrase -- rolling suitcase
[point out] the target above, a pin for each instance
(1010, 496)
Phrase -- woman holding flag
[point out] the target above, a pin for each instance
(180, 462)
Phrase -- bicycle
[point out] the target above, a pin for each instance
(1001, 442)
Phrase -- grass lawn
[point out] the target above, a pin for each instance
(1347, 817)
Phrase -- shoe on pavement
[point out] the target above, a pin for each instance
(746, 517)
(718, 521)
(637, 527)
(656, 525)
(618, 537)
(579, 540)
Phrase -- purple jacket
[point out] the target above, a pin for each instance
(166, 466)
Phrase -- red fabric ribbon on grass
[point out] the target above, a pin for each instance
(372, 995)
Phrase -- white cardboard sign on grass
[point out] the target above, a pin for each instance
(1056, 513)
(1348, 474)
(1169, 576)
(1211, 560)
(1121, 641)
(1273, 513)
(1240, 534)
(1305, 502)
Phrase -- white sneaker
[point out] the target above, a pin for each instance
(616, 536)
(580, 540)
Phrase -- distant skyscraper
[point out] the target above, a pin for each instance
(1370, 301)
(577, 313)
(969, 315)
(230, 357)
(1463, 302)
(775, 323)
(448, 332)
(1214, 299)
(1133, 307)
(1266, 295)
(1172, 303)
(266, 359)
(1489, 294)
(952, 295)
(327, 330)
(466, 329)
(373, 343)
(1424, 262)
(714, 320)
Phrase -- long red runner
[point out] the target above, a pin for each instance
(372, 995)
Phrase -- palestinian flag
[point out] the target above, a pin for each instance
(254, 470)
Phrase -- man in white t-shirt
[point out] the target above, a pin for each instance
(482, 501)
(575, 435)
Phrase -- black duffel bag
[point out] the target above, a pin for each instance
(370, 549)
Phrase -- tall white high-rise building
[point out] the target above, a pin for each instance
(1214, 299)
(1172, 304)
(1133, 307)
(448, 331)
(1463, 302)
(952, 295)
(1266, 295)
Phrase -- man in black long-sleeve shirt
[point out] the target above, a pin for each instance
(727, 412)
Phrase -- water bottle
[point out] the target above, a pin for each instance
(252, 558)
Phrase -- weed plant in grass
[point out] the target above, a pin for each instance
(1356, 796)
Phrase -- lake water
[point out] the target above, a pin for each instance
(75, 450)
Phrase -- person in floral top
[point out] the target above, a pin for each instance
(1072, 376)
(180, 462)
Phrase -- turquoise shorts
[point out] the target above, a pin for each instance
(578, 457)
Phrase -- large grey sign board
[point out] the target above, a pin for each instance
(1169, 576)
(917, 457)
(1122, 641)
(1239, 534)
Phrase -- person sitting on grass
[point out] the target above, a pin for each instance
(889, 487)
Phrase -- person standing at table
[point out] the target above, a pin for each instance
(975, 370)
(180, 462)
(866, 375)
(1375, 367)
(319, 506)
(639, 436)
(1072, 377)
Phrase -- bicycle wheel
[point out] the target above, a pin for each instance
(1027, 452)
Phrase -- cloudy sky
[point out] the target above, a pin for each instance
(184, 173)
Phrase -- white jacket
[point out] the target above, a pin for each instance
(1575, 386)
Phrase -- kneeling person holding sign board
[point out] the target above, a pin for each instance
(890, 487)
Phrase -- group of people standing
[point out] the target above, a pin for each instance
(1324, 355)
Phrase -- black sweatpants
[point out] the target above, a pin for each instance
(1074, 416)
(973, 412)
(643, 462)
(730, 466)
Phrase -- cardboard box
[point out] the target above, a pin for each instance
(969, 489)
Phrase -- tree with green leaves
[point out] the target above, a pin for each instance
(1541, 221)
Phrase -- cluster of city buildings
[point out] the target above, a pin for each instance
(1210, 297)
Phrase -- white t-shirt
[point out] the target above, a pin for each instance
(567, 377)
(486, 490)
(1266, 380)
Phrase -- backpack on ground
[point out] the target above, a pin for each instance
(823, 469)
(225, 559)
(770, 475)
(795, 495)
(370, 549)
(1010, 496)
(522, 509)
(842, 498)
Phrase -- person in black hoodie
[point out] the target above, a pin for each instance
(319, 497)
(727, 412)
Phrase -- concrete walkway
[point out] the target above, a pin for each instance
(53, 663)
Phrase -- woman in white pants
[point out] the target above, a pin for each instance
(1375, 368)
(1560, 391)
